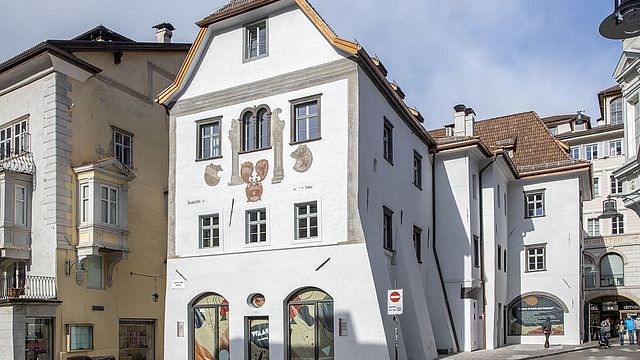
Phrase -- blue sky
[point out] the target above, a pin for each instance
(497, 56)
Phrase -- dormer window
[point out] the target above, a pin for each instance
(256, 40)
(616, 112)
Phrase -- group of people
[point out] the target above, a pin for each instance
(628, 326)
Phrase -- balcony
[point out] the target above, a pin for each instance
(41, 288)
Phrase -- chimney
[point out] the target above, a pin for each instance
(164, 32)
(463, 120)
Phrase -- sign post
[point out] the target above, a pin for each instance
(395, 307)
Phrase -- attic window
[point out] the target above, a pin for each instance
(256, 40)
(448, 131)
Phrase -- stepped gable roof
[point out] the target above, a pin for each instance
(524, 138)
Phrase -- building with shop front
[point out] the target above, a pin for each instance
(303, 188)
(610, 240)
(83, 164)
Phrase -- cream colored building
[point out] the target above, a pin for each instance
(83, 183)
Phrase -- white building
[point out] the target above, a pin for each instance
(301, 191)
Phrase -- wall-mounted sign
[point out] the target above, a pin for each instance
(394, 302)
(527, 316)
(594, 307)
(178, 284)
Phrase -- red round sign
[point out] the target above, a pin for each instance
(395, 296)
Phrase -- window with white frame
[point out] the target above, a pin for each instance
(593, 227)
(615, 147)
(553, 131)
(596, 186)
(592, 151)
(617, 111)
(85, 203)
(123, 146)
(209, 139)
(21, 205)
(209, 231)
(14, 139)
(616, 185)
(574, 152)
(109, 205)
(256, 40)
(256, 226)
(80, 337)
(534, 204)
(256, 129)
(536, 258)
(306, 220)
(306, 119)
(617, 225)
(417, 170)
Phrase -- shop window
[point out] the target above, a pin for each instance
(210, 328)
(310, 319)
(38, 339)
(80, 337)
(137, 339)
(611, 271)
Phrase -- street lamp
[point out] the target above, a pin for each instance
(609, 209)
(624, 23)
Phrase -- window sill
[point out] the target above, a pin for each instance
(254, 151)
(389, 252)
(294, 143)
(209, 159)
(254, 58)
(417, 187)
(535, 271)
(536, 216)
(389, 161)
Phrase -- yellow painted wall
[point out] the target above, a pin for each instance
(96, 107)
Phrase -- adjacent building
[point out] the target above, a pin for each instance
(83, 164)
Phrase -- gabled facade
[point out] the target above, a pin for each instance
(82, 176)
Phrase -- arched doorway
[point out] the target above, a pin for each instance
(210, 328)
(310, 317)
(612, 307)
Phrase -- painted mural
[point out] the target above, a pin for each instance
(528, 314)
(211, 329)
(211, 176)
(258, 339)
(311, 326)
(254, 189)
(304, 158)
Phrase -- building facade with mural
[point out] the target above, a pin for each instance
(83, 169)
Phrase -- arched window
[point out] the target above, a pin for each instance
(210, 329)
(590, 272)
(256, 129)
(616, 111)
(527, 312)
(611, 270)
(310, 325)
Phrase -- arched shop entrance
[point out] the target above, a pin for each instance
(614, 308)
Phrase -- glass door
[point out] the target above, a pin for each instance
(39, 339)
(137, 339)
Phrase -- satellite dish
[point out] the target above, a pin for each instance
(624, 23)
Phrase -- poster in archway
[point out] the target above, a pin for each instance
(528, 314)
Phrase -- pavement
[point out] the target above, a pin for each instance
(522, 352)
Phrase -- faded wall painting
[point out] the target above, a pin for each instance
(211, 329)
(254, 188)
(304, 158)
(211, 176)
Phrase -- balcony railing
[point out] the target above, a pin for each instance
(28, 287)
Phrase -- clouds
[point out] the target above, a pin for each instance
(498, 56)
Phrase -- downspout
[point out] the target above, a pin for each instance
(482, 274)
(435, 253)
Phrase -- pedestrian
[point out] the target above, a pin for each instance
(546, 328)
(605, 331)
(621, 331)
(636, 323)
(631, 329)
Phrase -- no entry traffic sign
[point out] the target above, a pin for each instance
(394, 302)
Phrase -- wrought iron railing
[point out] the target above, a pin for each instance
(28, 287)
(16, 155)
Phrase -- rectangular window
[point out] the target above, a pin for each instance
(417, 243)
(592, 151)
(534, 204)
(499, 257)
(553, 131)
(306, 220)
(387, 228)
(617, 225)
(209, 140)
(14, 140)
(504, 196)
(256, 40)
(615, 147)
(306, 119)
(209, 231)
(473, 186)
(123, 147)
(593, 227)
(256, 226)
(574, 152)
(85, 198)
(109, 208)
(476, 251)
(596, 186)
(504, 263)
(80, 337)
(387, 139)
(498, 196)
(616, 186)
(94, 269)
(21, 205)
(617, 112)
(417, 170)
(39, 338)
(536, 258)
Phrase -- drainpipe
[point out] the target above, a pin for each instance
(435, 253)
(482, 274)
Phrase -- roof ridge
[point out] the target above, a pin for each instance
(507, 116)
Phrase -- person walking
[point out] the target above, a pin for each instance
(636, 323)
(621, 331)
(605, 331)
(546, 328)
(631, 329)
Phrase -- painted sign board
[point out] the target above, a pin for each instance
(178, 284)
(395, 302)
